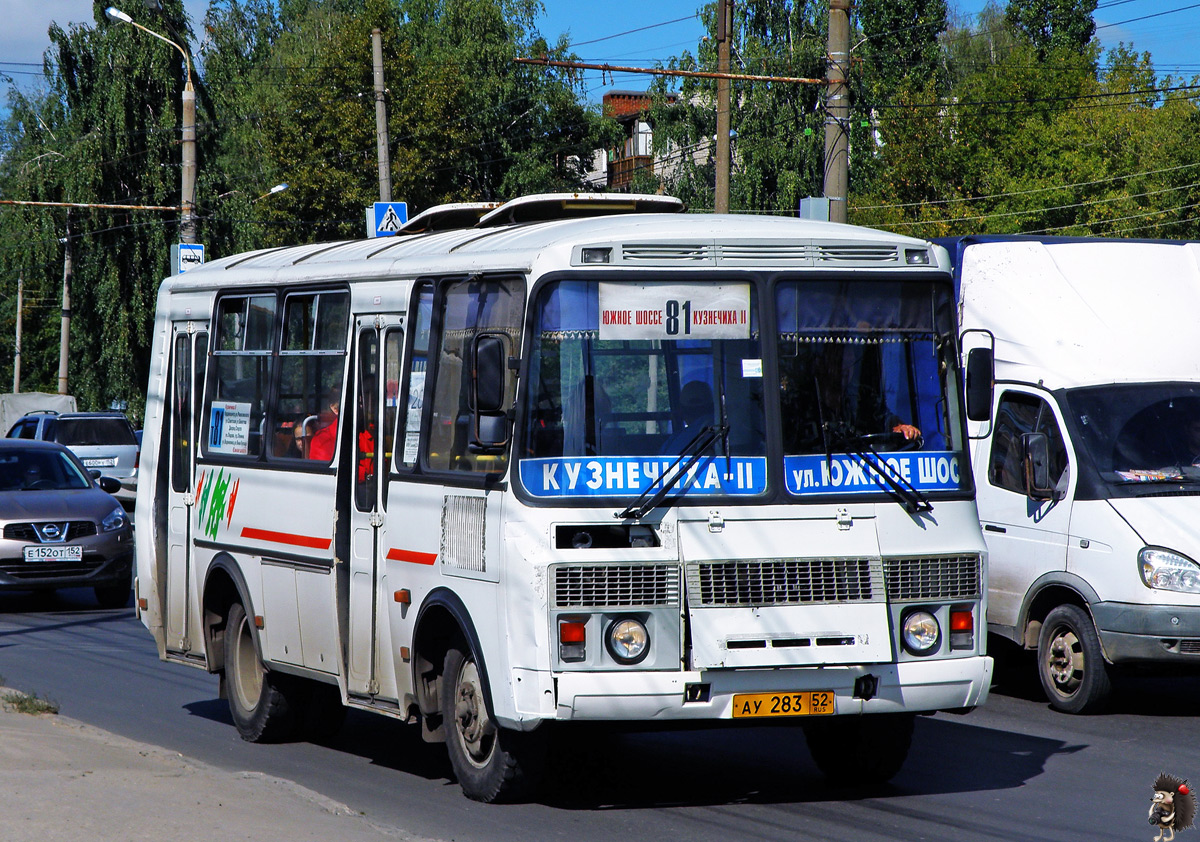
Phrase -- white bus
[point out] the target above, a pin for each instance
(586, 459)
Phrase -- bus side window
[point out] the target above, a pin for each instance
(468, 308)
(312, 356)
(234, 406)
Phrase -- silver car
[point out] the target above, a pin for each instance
(103, 441)
(59, 525)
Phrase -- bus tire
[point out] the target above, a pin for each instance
(1071, 661)
(858, 750)
(262, 707)
(491, 763)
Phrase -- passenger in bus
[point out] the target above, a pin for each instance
(324, 441)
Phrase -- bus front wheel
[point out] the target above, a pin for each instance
(856, 750)
(490, 762)
(261, 708)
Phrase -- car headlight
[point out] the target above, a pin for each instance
(114, 520)
(627, 640)
(1167, 571)
(920, 632)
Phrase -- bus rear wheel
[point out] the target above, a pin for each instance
(490, 762)
(857, 750)
(264, 705)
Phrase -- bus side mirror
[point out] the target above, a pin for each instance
(487, 391)
(1035, 451)
(980, 374)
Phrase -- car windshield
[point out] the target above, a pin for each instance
(40, 470)
(1139, 433)
(84, 432)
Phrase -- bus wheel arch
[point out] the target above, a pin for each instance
(442, 624)
(224, 585)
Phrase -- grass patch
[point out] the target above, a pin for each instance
(26, 702)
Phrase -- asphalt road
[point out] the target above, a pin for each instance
(1012, 770)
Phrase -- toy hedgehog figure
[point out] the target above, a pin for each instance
(1172, 808)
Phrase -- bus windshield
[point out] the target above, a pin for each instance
(867, 367)
(624, 379)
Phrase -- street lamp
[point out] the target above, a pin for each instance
(187, 193)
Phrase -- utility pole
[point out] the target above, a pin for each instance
(381, 130)
(65, 338)
(724, 35)
(17, 346)
(837, 110)
(187, 197)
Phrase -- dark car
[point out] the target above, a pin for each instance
(104, 441)
(58, 528)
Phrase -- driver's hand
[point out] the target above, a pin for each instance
(907, 430)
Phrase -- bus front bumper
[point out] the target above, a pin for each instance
(909, 687)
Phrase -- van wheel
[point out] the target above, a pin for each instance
(857, 750)
(490, 762)
(264, 705)
(1071, 663)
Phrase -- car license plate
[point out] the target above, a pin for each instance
(65, 552)
(806, 703)
(106, 462)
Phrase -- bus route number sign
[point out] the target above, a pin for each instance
(674, 311)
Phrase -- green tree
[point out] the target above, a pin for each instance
(105, 131)
(1054, 24)
(779, 128)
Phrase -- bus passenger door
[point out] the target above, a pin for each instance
(189, 353)
(380, 341)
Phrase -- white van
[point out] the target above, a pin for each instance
(1088, 483)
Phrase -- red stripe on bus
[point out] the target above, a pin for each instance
(286, 538)
(410, 555)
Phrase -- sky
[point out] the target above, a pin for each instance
(625, 32)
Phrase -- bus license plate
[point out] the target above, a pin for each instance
(807, 703)
(59, 553)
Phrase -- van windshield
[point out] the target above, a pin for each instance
(1139, 433)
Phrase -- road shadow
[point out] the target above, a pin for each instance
(74, 600)
(769, 765)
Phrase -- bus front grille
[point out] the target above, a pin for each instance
(615, 585)
(939, 577)
(784, 581)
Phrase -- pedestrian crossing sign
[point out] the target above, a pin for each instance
(385, 218)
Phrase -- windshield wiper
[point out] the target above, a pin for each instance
(692, 452)
(900, 488)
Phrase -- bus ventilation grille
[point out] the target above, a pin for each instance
(616, 585)
(790, 581)
(949, 577)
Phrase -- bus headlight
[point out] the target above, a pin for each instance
(919, 632)
(1167, 571)
(627, 640)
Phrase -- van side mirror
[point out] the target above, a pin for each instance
(1035, 453)
(980, 376)
(488, 381)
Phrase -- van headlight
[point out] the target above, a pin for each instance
(1167, 571)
